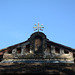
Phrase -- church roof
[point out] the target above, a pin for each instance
(48, 42)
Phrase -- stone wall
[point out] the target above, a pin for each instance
(46, 68)
(27, 55)
(46, 50)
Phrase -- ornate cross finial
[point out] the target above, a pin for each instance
(38, 27)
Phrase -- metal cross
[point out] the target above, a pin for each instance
(38, 27)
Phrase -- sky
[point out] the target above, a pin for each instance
(18, 17)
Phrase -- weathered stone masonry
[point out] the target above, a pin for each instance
(38, 46)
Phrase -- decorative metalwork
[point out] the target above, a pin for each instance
(38, 27)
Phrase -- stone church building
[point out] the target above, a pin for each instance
(38, 48)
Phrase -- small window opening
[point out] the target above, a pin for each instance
(19, 50)
(57, 50)
(49, 49)
(66, 52)
(28, 47)
(10, 51)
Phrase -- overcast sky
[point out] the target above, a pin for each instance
(17, 19)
